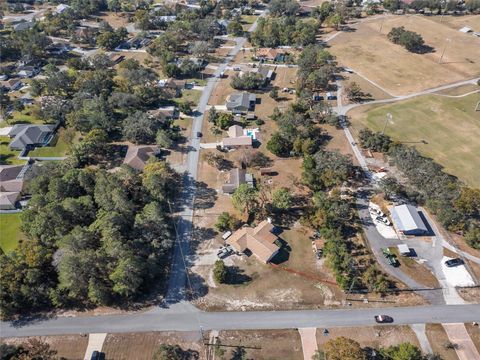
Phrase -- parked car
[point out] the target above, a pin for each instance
(381, 319)
(454, 262)
(224, 252)
(95, 355)
(386, 221)
(199, 134)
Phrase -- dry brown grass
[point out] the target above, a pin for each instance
(142, 346)
(366, 86)
(399, 71)
(267, 344)
(415, 270)
(474, 332)
(372, 336)
(438, 338)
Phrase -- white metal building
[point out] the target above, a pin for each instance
(408, 221)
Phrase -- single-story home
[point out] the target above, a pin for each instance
(11, 177)
(30, 135)
(61, 8)
(174, 84)
(12, 84)
(267, 54)
(260, 241)
(137, 156)
(165, 113)
(236, 138)
(8, 200)
(241, 102)
(25, 25)
(27, 71)
(57, 48)
(408, 221)
(236, 177)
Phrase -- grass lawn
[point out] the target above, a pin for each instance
(189, 95)
(57, 148)
(21, 117)
(7, 156)
(449, 127)
(9, 231)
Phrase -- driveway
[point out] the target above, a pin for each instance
(457, 333)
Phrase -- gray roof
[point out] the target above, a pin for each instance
(407, 219)
(242, 99)
(29, 135)
(236, 177)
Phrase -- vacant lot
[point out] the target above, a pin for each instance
(262, 344)
(9, 231)
(142, 346)
(372, 336)
(438, 339)
(369, 52)
(445, 129)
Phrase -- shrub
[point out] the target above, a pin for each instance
(220, 272)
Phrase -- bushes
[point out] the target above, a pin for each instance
(220, 272)
(279, 145)
(226, 222)
(410, 40)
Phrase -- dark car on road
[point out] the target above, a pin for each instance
(383, 319)
(454, 262)
(199, 134)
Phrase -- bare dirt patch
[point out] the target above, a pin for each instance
(142, 346)
(438, 339)
(474, 332)
(369, 52)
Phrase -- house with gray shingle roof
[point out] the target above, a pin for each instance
(241, 103)
(27, 136)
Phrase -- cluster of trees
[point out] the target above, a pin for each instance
(28, 44)
(109, 38)
(375, 141)
(96, 96)
(326, 169)
(221, 120)
(457, 207)
(355, 93)
(92, 238)
(227, 222)
(410, 40)
(342, 348)
(316, 68)
(247, 81)
(273, 32)
(436, 6)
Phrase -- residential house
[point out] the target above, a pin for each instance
(25, 25)
(11, 178)
(236, 138)
(61, 8)
(12, 84)
(8, 200)
(165, 113)
(57, 48)
(166, 18)
(241, 102)
(236, 177)
(27, 71)
(84, 33)
(138, 155)
(260, 241)
(28, 136)
(175, 85)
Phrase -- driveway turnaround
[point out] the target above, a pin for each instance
(180, 319)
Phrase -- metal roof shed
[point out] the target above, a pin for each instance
(408, 221)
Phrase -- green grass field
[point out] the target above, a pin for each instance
(7, 156)
(9, 231)
(449, 126)
(57, 148)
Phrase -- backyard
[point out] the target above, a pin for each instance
(454, 143)
(9, 231)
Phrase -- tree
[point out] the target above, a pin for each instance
(410, 40)
(374, 141)
(224, 120)
(248, 81)
(235, 28)
(274, 93)
(355, 93)
(226, 221)
(170, 352)
(335, 20)
(220, 272)
(342, 348)
(472, 236)
(282, 199)
(279, 145)
(403, 351)
(244, 198)
(163, 139)
(139, 128)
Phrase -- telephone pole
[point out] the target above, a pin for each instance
(447, 40)
(387, 119)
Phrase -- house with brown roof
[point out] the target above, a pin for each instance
(11, 178)
(260, 241)
(236, 177)
(8, 200)
(175, 85)
(137, 156)
(236, 138)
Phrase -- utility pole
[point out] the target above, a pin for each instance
(447, 40)
(381, 25)
(387, 119)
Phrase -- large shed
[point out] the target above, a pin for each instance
(408, 221)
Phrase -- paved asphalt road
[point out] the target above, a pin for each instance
(181, 320)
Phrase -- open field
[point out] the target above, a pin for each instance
(457, 22)
(366, 86)
(9, 231)
(438, 338)
(400, 72)
(142, 346)
(263, 344)
(449, 127)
